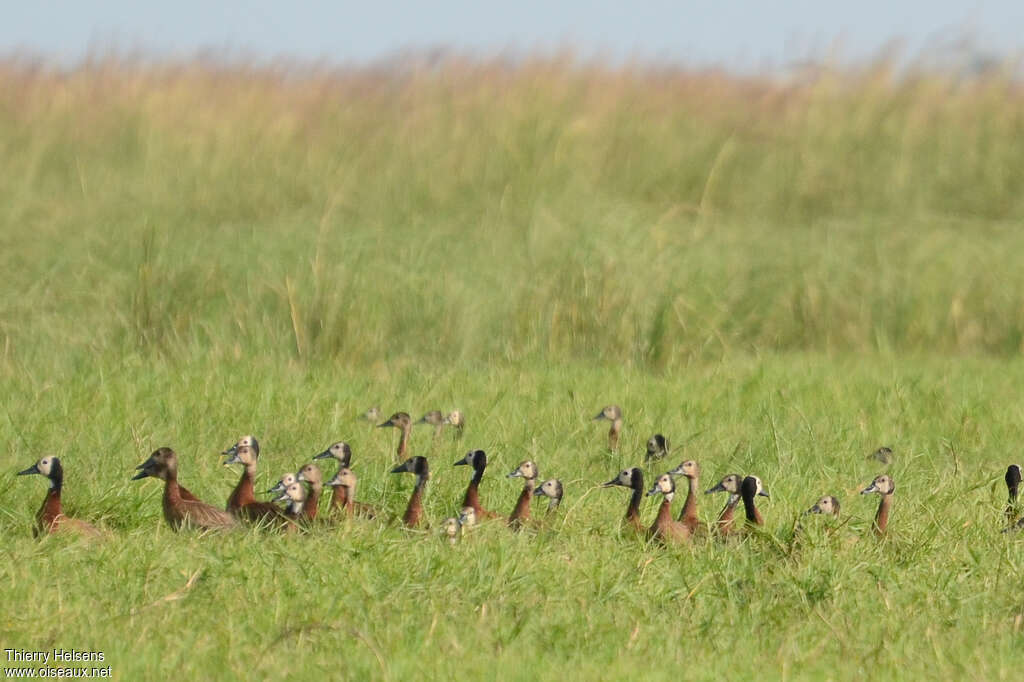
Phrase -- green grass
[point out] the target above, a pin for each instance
(779, 278)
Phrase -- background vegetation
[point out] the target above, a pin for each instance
(779, 274)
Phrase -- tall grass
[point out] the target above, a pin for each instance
(481, 211)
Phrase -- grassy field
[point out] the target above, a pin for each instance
(781, 277)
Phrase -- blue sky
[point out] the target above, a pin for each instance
(741, 34)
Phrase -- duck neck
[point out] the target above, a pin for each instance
(613, 434)
(244, 493)
(728, 512)
(882, 515)
(633, 510)
(689, 513)
(312, 503)
(339, 498)
(51, 508)
(664, 517)
(753, 515)
(472, 496)
(403, 444)
(522, 508)
(414, 510)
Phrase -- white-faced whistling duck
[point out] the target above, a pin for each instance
(458, 420)
(882, 454)
(478, 460)
(657, 447)
(452, 529)
(312, 475)
(827, 505)
(664, 527)
(179, 512)
(730, 484)
(688, 516)
(749, 489)
(414, 510)
(282, 483)
(372, 415)
(612, 413)
(527, 470)
(1012, 479)
(294, 495)
(344, 502)
(400, 420)
(634, 480)
(435, 418)
(342, 452)
(243, 504)
(50, 518)
(551, 489)
(884, 486)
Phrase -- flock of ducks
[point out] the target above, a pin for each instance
(300, 492)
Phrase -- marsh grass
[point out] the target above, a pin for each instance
(780, 277)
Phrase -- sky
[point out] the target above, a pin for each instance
(739, 34)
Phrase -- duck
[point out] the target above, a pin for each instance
(343, 501)
(612, 413)
(414, 510)
(632, 478)
(478, 460)
(242, 504)
(451, 528)
(730, 484)
(827, 505)
(179, 512)
(749, 489)
(458, 420)
(882, 454)
(342, 452)
(657, 447)
(1012, 479)
(435, 418)
(400, 420)
(312, 475)
(551, 489)
(664, 528)
(688, 516)
(295, 495)
(527, 470)
(884, 486)
(51, 518)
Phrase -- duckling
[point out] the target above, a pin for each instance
(50, 518)
(294, 495)
(884, 486)
(243, 504)
(372, 415)
(730, 484)
(467, 517)
(527, 470)
(179, 512)
(749, 489)
(478, 460)
(415, 465)
(657, 447)
(551, 489)
(452, 530)
(633, 479)
(436, 419)
(343, 501)
(612, 413)
(882, 454)
(400, 420)
(828, 505)
(664, 528)
(312, 475)
(342, 452)
(458, 420)
(688, 516)
(1012, 479)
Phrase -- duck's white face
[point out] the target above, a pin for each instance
(338, 450)
(551, 488)
(625, 478)
(731, 483)
(665, 486)
(611, 412)
(288, 479)
(246, 441)
(468, 516)
(688, 468)
(45, 465)
(454, 418)
(526, 469)
(883, 485)
(246, 454)
(344, 478)
(296, 492)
